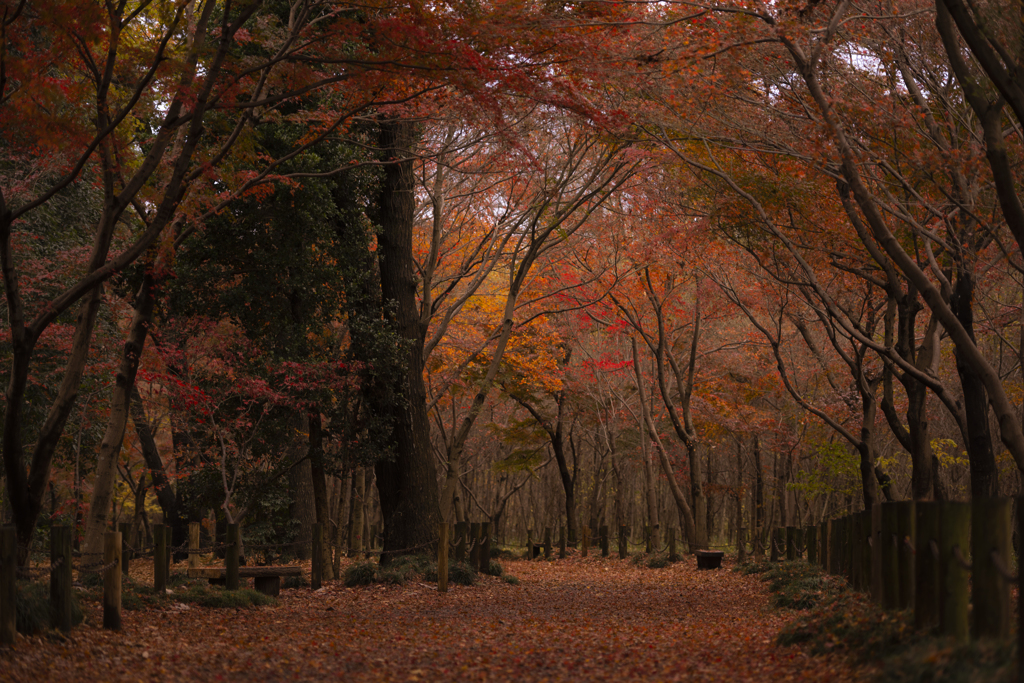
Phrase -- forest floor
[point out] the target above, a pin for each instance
(577, 619)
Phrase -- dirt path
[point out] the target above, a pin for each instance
(579, 620)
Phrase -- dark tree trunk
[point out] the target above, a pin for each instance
(165, 495)
(984, 475)
(406, 483)
(300, 482)
(320, 501)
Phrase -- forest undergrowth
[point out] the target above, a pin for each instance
(833, 619)
(576, 619)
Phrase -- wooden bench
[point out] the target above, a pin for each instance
(266, 580)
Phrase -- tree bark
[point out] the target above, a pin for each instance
(97, 521)
(320, 501)
(355, 516)
(407, 483)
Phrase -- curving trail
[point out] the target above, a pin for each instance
(574, 620)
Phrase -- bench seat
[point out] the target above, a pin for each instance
(266, 580)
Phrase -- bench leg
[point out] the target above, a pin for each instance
(268, 585)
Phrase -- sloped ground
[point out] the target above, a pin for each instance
(577, 619)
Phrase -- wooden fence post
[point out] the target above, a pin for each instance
(823, 546)
(316, 568)
(791, 543)
(811, 542)
(231, 559)
(856, 550)
(112, 581)
(126, 554)
(834, 547)
(773, 540)
(741, 544)
(990, 535)
(954, 527)
(649, 539)
(60, 577)
(8, 585)
(890, 558)
(876, 553)
(547, 543)
(159, 559)
(673, 555)
(865, 551)
(605, 547)
(623, 534)
(561, 542)
(905, 535)
(194, 530)
(169, 554)
(442, 557)
(926, 566)
(484, 564)
(586, 541)
(848, 566)
(474, 549)
(461, 529)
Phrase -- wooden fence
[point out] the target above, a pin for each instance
(113, 567)
(949, 562)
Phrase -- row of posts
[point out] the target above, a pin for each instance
(603, 539)
(116, 556)
(949, 562)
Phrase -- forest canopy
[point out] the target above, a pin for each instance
(718, 266)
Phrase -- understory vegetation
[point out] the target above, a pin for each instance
(831, 618)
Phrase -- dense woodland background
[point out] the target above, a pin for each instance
(662, 264)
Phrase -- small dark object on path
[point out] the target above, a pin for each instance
(709, 559)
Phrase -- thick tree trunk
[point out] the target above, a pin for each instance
(300, 482)
(355, 516)
(407, 483)
(320, 501)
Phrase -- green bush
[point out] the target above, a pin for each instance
(461, 573)
(511, 580)
(837, 620)
(222, 598)
(658, 562)
(32, 608)
(495, 569)
(748, 568)
(361, 574)
(410, 565)
(294, 582)
(393, 576)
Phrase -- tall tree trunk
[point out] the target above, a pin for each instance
(355, 516)
(984, 474)
(406, 483)
(98, 519)
(757, 530)
(300, 482)
(166, 496)
(652, 489)
(320, 501)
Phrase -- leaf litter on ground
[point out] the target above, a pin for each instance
(579, 619)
